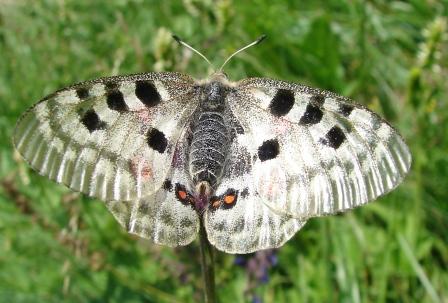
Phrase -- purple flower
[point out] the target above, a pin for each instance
(257, 267)
(273, 259)
(256, 299)
(240, 260)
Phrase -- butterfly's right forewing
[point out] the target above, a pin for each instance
(111, 138)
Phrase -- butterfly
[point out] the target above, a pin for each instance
(251, 161)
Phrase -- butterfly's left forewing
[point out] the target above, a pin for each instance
(111, 138)
(313, 152)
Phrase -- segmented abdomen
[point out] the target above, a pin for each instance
(209, 148)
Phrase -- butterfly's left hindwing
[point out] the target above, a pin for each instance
(237, 221)
(247, 225)
(111, 138)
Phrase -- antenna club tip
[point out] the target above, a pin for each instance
(177, 38)
(260, 39)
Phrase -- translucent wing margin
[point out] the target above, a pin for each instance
(313, 152)
(111, 138)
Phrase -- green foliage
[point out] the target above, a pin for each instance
(56, 246)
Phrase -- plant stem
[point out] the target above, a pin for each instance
(207, 266)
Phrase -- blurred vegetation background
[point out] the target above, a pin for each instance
(58, 246)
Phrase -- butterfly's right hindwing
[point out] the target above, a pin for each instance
(161, 217)
(111, 138)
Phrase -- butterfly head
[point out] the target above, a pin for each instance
(219, 76)
(214, 92)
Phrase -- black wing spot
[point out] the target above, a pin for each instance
(346, 109)
(147, 93)
(245, 192)
(268, 150)
(157, 140)
(313, 114)
(282, 102)
(229, 198)
(334, 137)
(167, 185)
(91, 121)
(214, 203)
(111, 85)
(317, 100)
(183, 195)
(82, 93)
(115, 101)
(225, 201)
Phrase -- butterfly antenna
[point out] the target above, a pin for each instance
(261, 38)
(179, 40)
